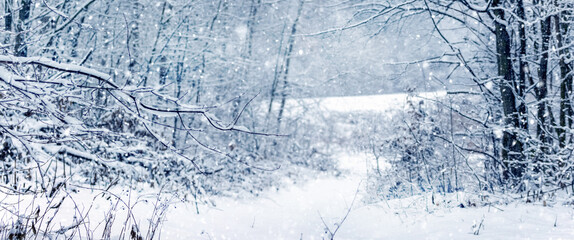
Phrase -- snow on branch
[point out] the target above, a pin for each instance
(71, 68)
(45, 62)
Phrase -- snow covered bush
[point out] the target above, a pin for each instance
(431, 146)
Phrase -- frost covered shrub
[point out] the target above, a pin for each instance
(72, 133)
(428, 146)
(419, 159)
(255, 163)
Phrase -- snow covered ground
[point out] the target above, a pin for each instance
(301, 212)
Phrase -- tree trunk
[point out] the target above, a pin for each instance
(288, 54)
(7, 20)
(566, 112)
(161, 26)
(523, 66)
(511, 145)
(210, 26)
(278, 71)
(20, 48)
(541, 130)
(134, 41)
(251, 25)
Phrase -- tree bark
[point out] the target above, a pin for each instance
(511, 145)
(566, 112)
(8, 15)
(288, 54)
(541, 130)
(523, 66)
(20, 48)
(134, 40)
(210, 26)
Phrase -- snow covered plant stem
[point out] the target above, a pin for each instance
(477, 226)
(332, 233)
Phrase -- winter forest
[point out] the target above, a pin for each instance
(286, 119)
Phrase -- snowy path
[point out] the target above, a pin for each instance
(295, 213)
(291, 213)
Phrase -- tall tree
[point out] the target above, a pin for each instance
(511, 145)
(543, 73)
(20, 45)
(286, 67)
(566, 70)
(522, 66)
(8, 19)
